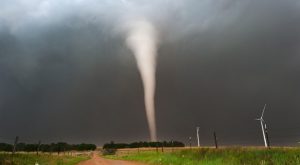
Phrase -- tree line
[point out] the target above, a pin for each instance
(53, 147)
(113, 145)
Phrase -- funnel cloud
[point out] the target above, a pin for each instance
(142, 40)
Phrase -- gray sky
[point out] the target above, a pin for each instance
(67, 75)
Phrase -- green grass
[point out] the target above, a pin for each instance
(224, 156)
(42, 159)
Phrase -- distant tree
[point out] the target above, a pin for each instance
(113, 145)
(21, 146)
(84, 147)
(178, 144)
(109, 145)
(45, 148)
(53, 147)
(30, 147)
(6, 147)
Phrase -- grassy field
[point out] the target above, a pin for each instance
(42, 159)
(223, 156)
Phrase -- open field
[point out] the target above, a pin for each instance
(211, 156)
(42, 159)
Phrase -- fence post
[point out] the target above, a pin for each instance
(216, 140)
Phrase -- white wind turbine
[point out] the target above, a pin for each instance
(198, 140)
(263, 126)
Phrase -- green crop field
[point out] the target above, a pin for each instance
(42, 159)
(222, 156)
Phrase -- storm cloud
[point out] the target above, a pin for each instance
(67, 75)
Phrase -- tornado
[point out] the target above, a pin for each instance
(141, 38)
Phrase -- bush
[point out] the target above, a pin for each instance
(109, 151)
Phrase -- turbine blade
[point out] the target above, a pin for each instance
(262, 115)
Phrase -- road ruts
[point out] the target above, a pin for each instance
(97, 160)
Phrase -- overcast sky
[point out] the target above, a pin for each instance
(67, 75)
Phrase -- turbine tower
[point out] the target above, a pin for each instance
(198, 136)
(263, 126)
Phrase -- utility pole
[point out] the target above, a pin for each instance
(172, 146)
(198, 140)
(14, 149)
(15, 145)
(190, 141)
(38, 148)
(216, 140)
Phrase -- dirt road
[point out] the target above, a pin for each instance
(97, 160)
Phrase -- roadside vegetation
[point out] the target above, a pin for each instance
(53, 147)
(60, 153)
(41, 159)
(222, 156)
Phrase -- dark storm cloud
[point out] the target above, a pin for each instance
(65, 73)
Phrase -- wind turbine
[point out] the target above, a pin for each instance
(263, 125)
(198, 136)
